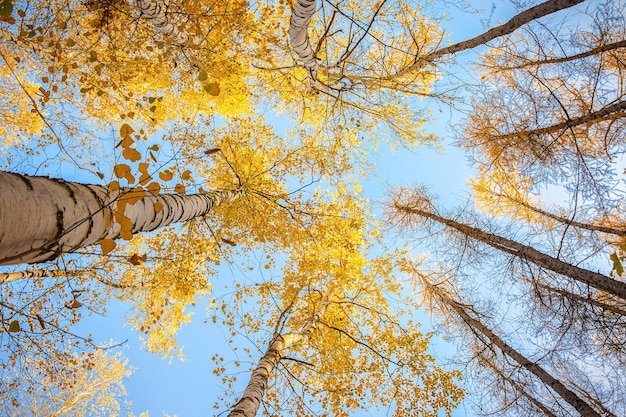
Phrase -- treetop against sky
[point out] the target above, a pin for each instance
(228, 160)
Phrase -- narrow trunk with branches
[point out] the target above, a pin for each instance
(519, 250)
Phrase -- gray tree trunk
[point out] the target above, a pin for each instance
(158, 17)
(477, 326)
(527, 253)
(519, 20)
(251, 399)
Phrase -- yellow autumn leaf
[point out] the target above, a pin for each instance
(154, 188)
(131, 154)
(179, 188)
(114, 185)
(166, 175)
(126, 130)
(124, 171)
(107, 245)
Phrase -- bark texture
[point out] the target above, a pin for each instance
(249, 403)
(528, 253)
(157, 15)
(251, 399)
(41, 218)
(477, 326)
(519, 20)
(299, 36)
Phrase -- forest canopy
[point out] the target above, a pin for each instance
(224, 160)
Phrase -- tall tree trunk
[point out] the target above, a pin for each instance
(518, 387)
(478, 327)
(38, 273)
(559, 60)
(611, 112)
(41, 218)
(525, 252)
(519, 20)
(561, 219)
(299, 37)
(252, 396)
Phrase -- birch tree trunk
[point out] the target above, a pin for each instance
(299, 37)
(477, 327)
(38, 273)
(525, 252)
(517, 21)
(252, 396)
(153, 11)
(41, 218)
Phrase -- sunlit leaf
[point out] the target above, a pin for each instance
(166, 175)
(154, 188)
(126, 130)
(107, 245)
(137, 259)
(131, 154)
(179, 188)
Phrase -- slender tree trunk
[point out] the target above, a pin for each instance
(41, 218)
(548, 61)
(252, 396)
(477, 326)
(528, 253)
(538, 287)
(519, 388)
(519, 20)
(566, 221)
(614, 111)
(37, 273)
(299, 37)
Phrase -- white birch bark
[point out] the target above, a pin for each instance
(252, 396)
(299, 36)
(527, 253)
(159, 19)
(41, 218)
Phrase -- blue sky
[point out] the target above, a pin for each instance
(189, 388)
